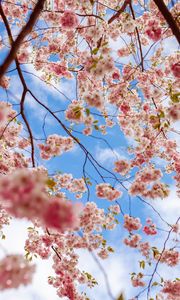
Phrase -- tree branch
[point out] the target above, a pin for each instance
(8, 29)
(169, 18)
(122, 9)
(15, 45)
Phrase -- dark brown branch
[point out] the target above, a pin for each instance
(169, 18)
(24, 87)
(122, 9)
(27, 125)
(24, 32)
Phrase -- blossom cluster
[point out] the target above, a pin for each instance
(170, 257)
(15, 271)
(106, 191)
(131, 223)
(133, 87)
(64, 246)
(151, 228)
(171, 289)
(55, 145)
(24, 195)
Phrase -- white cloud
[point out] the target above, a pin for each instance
(117, 268)
(108, 156)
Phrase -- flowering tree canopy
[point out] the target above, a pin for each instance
(89, 105)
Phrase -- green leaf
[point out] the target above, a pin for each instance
(51, 184)
(155, 252)
(103, 242)
(96, 127)
(155, 283)
(142, 264)
(3, 237)
(110, 249)
(87, 111)
(175, 98)
(161, 114)
(95, 51)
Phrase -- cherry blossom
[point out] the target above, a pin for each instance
(68, 20)
(150, 229)
(15, 271)
(131, 223)
(85, 75)
(105, 191)
(172, 289)
(137, 280)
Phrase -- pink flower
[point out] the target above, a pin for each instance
(132, 241)
(75, 112)
(151, 228)
(175, 68)
(131, 223)
(105, 190)
(69, 20)
(55, 145)
(23, 193)
(4, 82)
(4, 218)
(116, 75)
(172, 288)
(103, 254)
(153, 30)
(137, 280)
(144, 248)
(61, 214)
(23, 56)
(170, 257)
(174, 112)
(15, 271)
(122, 167)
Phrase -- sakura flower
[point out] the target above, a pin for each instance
(122, 167)
(104, 190)
(23, 193)
(175, 68)
(170, 257)
(15, 271)
(131, 223)
(69, 20)
(172, 289)
(153, 30)
(75, 112)
(150, 229)
(4, 83)
(144, 249)
(61, 214)
(137, 280)
(55, 145)
(174, 112)
(132, 241)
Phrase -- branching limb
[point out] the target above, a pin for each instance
(169, 18)
(15, 45)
